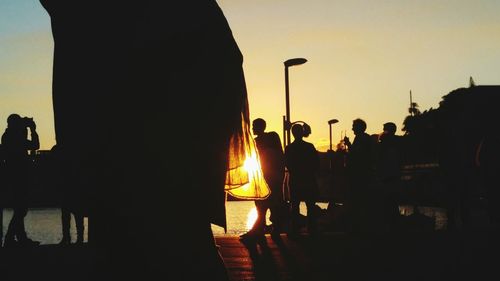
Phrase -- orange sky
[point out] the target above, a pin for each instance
(363, 58)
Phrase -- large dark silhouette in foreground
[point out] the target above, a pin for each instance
(146, 97)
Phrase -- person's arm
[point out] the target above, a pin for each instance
(34, 143)
(347, 142)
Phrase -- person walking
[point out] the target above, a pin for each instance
(273, 167)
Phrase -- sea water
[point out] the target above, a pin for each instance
(44, 225)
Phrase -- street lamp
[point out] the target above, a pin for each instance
(287, 122)
(330, 123)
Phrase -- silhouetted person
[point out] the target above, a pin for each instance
(273, 167)
(339, 186)
(147, 96)
(389, 172)
(71, 201)
(302, 162)
(360, 169)
(16, 146)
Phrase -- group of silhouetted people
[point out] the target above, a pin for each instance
(371, 165)
(128, 79)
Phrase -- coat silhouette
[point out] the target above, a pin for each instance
(146, 97)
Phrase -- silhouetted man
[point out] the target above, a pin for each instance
(129, 78)
(273, 167)
(302, 162)
(360, 165)
(16, 144)
(388, 172)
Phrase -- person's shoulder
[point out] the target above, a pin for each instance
(271, 134)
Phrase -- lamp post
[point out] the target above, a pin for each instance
(287, 122)
(330, 123)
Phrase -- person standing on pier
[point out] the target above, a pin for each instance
(16, 144)
(273, 167)
(302, 162)
(360, 167)
(388, 173)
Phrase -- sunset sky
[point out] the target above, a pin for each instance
(364, 57)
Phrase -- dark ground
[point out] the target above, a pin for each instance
(468, 254)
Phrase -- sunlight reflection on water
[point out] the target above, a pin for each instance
(238, 213)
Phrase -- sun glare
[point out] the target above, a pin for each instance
(251, 164)
(251, 218)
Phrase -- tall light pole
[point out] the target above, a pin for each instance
(330, 123)
(287, 122)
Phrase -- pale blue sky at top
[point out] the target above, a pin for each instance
(363, 58)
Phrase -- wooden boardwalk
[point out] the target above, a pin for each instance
(341, 256)
(402, 256)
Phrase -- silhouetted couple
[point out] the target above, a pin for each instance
(19, 175)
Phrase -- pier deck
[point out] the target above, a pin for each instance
(438, 255)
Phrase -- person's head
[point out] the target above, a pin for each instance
(358, 126)
(258, 126)
(390, 128)
(14, 121)
(297, 131)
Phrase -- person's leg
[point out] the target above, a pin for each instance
(277, 216)
(312, 227)
(258, 228)
(16, 229)
(66, 225)
(20, 229)
(260, 223)
(10, 235)
(294, 216)
(79, 227)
